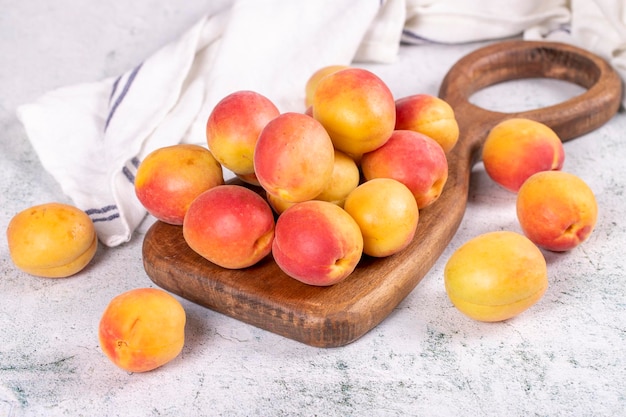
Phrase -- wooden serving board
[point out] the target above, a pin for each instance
(264, 296)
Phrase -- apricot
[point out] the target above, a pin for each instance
(429, 115)
(357, 109)
(230, 225)
(233, 128)
(556, 210)
(294, 157)
(171, 177)
(142, 329)
(278, 204)
(517, 148)
(496, 276)
(344, 179)
(51, 240)
(412, 158)
(317, 243)
(249, 179)
(386, 213)
(314, 79)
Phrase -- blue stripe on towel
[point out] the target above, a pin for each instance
(412, 37)
(130, 169)
(94, 212)
(128, 174)
(105, 219)
(123, 93)
(101, 210)
(114, 89)
(110, 212)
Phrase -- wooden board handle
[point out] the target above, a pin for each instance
(511, 60)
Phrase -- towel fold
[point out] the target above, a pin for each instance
(600, 26)
(92, 137)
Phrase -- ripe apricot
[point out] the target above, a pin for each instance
(414, 159)
(142, 329)
(51, 240)
(386, 213)
(230, 225)
(314, 79)
(556, 210)
(357, 109)
(171, 177)
(317, 243)
(294, 157)
(517, 148)
(233, 128)
(345, 178)
(429, 115)
(496, 276)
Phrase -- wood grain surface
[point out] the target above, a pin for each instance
(334, 316)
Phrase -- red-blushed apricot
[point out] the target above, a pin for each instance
(357, 109)
(314, 79)
(386, 213)
(517, 148)
(496, 276)
(230, 225)
(142, 329)
(294, 157)
(412, 158)
(429, 115)
(557, 210)
(171, 177)
(233, 128)
(317, 243)
(51, 240)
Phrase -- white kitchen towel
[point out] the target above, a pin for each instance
(461, 21)
(598, 26)
(92, 137)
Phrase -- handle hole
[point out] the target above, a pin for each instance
(525, 94)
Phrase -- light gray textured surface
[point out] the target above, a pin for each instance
(563, 357)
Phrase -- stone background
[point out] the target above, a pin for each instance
(563, 357)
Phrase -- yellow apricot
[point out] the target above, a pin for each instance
(142, 329)
(278, 204)
(51, 240)
(496, 276)
(345, 178)
(386, 213)
(356, 108)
